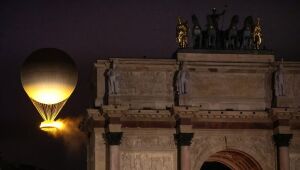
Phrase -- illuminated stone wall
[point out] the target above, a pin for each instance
(230, 104)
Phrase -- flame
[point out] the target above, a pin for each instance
(51, 124)
(66, 129)
(52, 127)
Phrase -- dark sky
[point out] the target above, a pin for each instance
(95, 29)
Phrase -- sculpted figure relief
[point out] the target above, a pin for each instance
(146, 161)
(250, 37)
(112, 77)
(182, 30)
(257, 35)
(279, 81)
(182, 79)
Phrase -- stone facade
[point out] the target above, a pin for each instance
(229, 106)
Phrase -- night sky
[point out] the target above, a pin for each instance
(95, 29)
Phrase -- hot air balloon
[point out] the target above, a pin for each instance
(49, 76)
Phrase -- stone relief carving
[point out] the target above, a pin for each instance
(148, 152)
(148, 142)
(260, 147)
(237, 85)
(294, 161)
(295, 145)
(152, 83)
(200, 142)
(147, 161)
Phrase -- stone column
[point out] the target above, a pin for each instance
(113, 127)
(114, 139)
(283, 158)
(282, 135)
(183, 143)
(93, 126)
(184, 135)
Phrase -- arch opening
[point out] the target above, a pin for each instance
(231, 160)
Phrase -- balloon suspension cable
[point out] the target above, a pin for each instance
(48, 111)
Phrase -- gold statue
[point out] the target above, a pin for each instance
(182, 30)
(257, 35)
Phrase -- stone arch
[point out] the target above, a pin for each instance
(259, 147)
(235, 159)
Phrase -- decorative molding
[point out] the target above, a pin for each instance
(196, 112)
(147, 114)
(280, 113)
(148, 142)
(94, 114)
(229, 124)
(114, 110)
(262, 115)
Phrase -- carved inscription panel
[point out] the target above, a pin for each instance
(148, 150)
(155, 160)
(146, 83)
(244, 85)
(146, 142)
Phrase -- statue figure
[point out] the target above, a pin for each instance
(257, 35)
(211, 32)
(182, 79)
(182, 30)
(112, 77)
(279, 81)
(247, 33)
(196, 33)
(215, 18)
(231, 40)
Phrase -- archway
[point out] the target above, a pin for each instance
(231, 159)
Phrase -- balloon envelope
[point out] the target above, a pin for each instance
(49, 77)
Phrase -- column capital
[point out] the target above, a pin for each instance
(113, 138)
(184, 139)
(282, 139)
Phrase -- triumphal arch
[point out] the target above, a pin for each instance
(200, 110)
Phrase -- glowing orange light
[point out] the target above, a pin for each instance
(51, 126)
